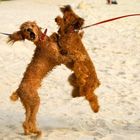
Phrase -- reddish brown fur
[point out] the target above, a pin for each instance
(84, 79)
(47, 55)
(45, 58)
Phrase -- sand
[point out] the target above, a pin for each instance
(115, 50)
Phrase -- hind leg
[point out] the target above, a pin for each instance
(93, 101)
(91, 97)
(31, 104)
(32, 118)
(27, 116)
(73, 81)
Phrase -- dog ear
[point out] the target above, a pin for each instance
(66, 8)
(78, 23)
(16, 36)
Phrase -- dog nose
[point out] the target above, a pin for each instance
(29, 30)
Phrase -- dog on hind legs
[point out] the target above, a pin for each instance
(62, 48)
(45, 58)
(84, 79)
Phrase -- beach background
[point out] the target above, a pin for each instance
(115, 50)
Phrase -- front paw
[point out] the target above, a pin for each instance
(59, 20)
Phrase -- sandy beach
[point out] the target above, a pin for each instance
(114, 48)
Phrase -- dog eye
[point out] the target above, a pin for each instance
(28, 29)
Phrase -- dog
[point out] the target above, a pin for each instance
(52, 51)
(84, 79)
(45, 58)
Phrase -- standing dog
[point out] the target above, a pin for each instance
(84, 79)
(62, 48)
(45, 58)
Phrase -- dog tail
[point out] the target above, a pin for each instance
(14, 96)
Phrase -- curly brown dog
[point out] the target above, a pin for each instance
(84, 79)
(45, 58)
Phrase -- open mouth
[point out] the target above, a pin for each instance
(32, 35)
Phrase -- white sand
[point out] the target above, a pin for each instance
(115, 50)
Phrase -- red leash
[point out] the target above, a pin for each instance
(104, 21)
(108, 20)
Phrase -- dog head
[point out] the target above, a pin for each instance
(69, 20)
(28, 30)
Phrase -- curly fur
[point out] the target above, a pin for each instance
(84, 79)
(66, 48)
(45, 58)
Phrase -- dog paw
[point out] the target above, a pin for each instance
(94, 107)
